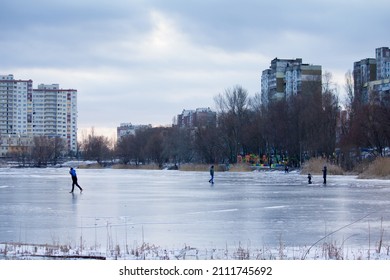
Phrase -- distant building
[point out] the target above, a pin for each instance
(382, 63)
(55, 113)
(186, 118)
(26, 112)
(364, 71)
(15, 144)
(201, 117)
(129, 129)
(15, 106)
(289, 77)
(372, 75)
(379, 89)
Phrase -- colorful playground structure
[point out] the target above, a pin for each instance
(263, 161)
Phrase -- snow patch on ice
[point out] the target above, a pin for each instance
(215, 211)
(275, 207)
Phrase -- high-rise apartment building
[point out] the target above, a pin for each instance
(55, 113)
(364, 71)
(382, 63)
(15, 105)
(26, 112)
(289, 77)
(372, 75)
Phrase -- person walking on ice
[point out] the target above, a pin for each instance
(212, 174)
(72, 173)
(324, 172)
(309, 178)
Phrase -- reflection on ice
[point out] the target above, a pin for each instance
(173, 209)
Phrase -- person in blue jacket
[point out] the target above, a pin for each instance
(72, 173)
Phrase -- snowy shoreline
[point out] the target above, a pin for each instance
(324, 251)
(204, 167)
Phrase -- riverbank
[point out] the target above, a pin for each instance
(324, 251)
(377, 169)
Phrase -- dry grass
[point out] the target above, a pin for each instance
(240, 167)
(133, 166)
(315, 166)
(379, 168)
(90, 166)
(195, 167)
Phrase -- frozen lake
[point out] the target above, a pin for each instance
(173, 209)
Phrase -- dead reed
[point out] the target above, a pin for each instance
(379, 169)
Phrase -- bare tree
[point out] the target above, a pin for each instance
(154, 146)
(368, 125)
(59, 148)
(22, 155)
(125, 148)
(349, 85)
(42, 150)
(178, 144)
(232, 109)
(208, 144)
(329, 114)
(96, 147)
(375, 124)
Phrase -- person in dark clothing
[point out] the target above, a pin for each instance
(324, 171)
(212, 174)
(72, 173)
(309, 178)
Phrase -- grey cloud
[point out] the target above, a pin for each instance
(66, 32)
(260, 25)
(169, 55)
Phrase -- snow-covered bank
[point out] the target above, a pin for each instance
(325, 251)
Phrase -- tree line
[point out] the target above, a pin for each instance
(41, 152)
(291, 130)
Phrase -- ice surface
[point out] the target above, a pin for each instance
(173, 209)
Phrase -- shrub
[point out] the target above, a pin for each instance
(379, 168)
(315, 166)
(194, 167)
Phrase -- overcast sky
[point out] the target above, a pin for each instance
(145, 61)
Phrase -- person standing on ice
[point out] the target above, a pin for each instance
(72, 173)
(212, 174)
(324, 171)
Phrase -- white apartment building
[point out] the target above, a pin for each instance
(26, 112)
(288, 77)
(129, 129)
(15, 103)
(54, 113)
